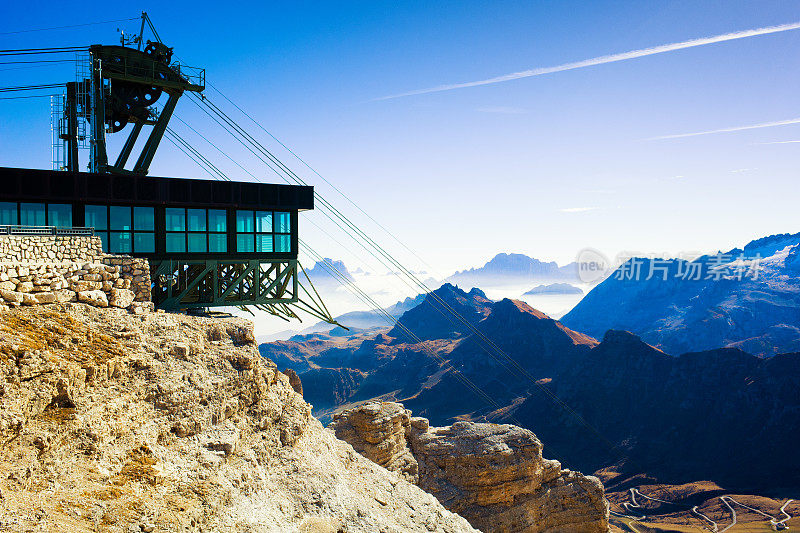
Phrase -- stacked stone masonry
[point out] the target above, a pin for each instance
(39, 270)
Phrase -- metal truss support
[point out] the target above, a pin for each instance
(271, 286)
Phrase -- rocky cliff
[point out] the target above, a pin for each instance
(492, 474)
(117, 422)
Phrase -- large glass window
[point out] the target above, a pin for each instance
(196, 230)
(263, 231)
(8, 214)
(144, 243)
(217, 230)
(122, 229)
(283, 231)
(59, 215)
(217, 242)
(31, 214)
(244, 221)
(144, 219)
(176, 229)
(96, 216)
(120, 218)
(283, 222)
(176, 242)
(217, 220)
(144, 226)
(176, 219)
(197, 239)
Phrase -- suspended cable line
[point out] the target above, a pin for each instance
(36, 51)
(30, 87)
(197, 154)
(490, 347)
(37, 61)
(189, 155)
(68, 26)
(28, 96)
(312, 169)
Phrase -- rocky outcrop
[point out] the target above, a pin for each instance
(492, 474)
(377, 430)
(294, 381)
(115, 422)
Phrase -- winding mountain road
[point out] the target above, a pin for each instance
(727, 500)
(634, 507)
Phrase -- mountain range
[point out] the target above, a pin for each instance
(507, 269)
(617, 402)
(746, 298)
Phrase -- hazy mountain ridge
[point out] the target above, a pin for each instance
(513, 268)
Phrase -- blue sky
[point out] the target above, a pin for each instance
(545, 165)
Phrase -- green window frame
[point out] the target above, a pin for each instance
(191, 230)
(123, 229)
(263, 231)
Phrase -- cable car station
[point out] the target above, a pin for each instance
(209, 243)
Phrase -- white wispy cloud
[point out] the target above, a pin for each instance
(503, 110)
(779, 142)
(613, 58)
(577, 209)
(727, 130)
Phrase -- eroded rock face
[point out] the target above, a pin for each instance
(158, 422)
(492, 474)
(377, 430)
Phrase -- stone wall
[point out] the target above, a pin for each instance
(135, 269)
(49, 248)
(37, 270)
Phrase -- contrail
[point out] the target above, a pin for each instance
(605, 59)
(780, 142)
(727, 130)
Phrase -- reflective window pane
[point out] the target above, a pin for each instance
(176, 219)
(217, 242)
(264, 242)
(176, 242)
(31, 214)
(144, 243)
(120, 242)
(244, 221)
(283, 243)
(59, 215)
(96, 217)
(8, 214)
(120, 217)
(144, 218)
(103, 239)
(217, 220)
(283, 222)
(244, 243)
(197, 242)
(197, 219)
(264, 221)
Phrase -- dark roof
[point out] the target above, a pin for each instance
(33, 185)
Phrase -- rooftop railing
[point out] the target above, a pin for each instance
(46, 230)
